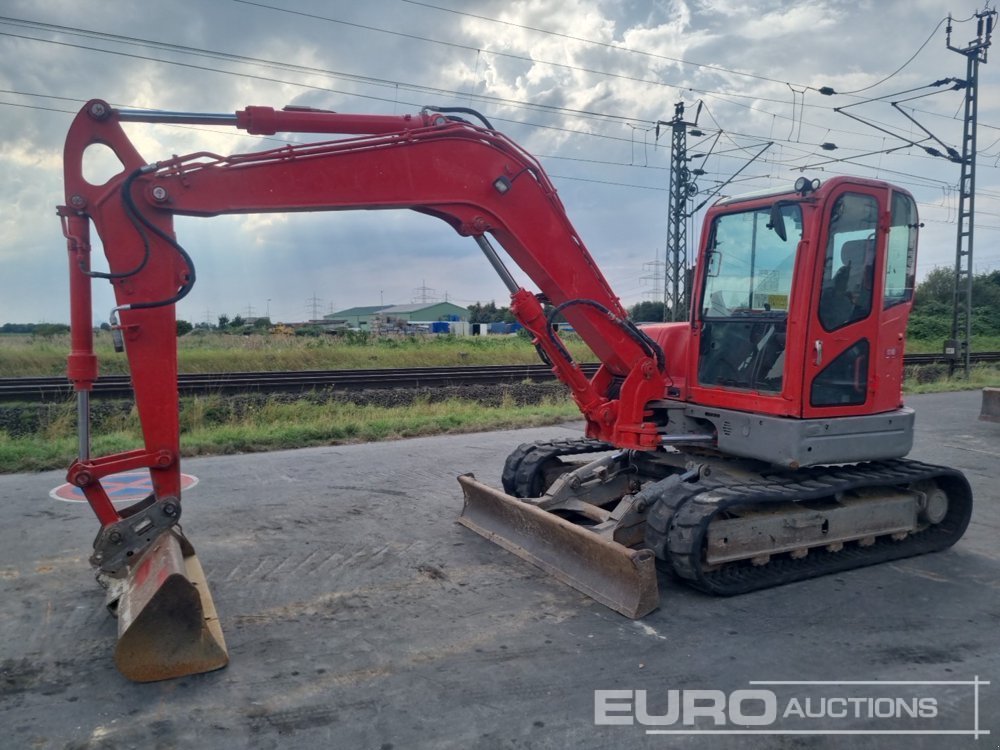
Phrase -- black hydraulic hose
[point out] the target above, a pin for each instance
(464, 111)
(141, 223)
(642, 338)
(647, 344)
(126, 191)
(543, 356)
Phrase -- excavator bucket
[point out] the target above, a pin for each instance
(617, 576)
(167, 623)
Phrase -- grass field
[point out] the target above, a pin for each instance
(936, 380)
(214, 425)
(210, 427)
(22, 355)
(936, 346)
(199, 353)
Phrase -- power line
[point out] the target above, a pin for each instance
(235, 133)
(290, 67)
(35, 106)
(901, 67)
(608, 182)
(384, 82)
(396, 85)
(313, 87)
(791, 164)
(456, 45)
(667, 58)
(535, 61)
(595, 42)
(313, 305)
(240, 59)
(706, 66)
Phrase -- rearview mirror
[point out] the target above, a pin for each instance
(777, 222)
(714, 263)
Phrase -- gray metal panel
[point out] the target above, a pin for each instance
(807, 442)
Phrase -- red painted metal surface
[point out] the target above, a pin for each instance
(425, 162)
(451, 170)
(884, 329)
(268, 121)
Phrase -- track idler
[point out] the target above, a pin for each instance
(167, 623)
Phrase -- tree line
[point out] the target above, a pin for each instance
(930, 318)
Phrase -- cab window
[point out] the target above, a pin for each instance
(901, 257)
(744, 306)
(849, 262)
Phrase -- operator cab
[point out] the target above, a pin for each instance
(802, 302)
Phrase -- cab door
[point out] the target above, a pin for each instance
(844, 341)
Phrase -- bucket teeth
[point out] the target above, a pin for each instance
(617, 576)
(167, 623)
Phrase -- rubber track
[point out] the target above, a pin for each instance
(677, 525)
(522, 471)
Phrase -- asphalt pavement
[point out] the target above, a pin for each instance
(359, 615)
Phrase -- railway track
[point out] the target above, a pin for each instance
(119, 386)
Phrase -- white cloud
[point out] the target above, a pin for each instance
(352, 258)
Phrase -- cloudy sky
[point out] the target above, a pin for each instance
(579, 83)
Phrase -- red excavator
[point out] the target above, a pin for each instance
(759, 442)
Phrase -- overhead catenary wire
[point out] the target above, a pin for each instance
(910, 179)
(274, 64)
(606, 45)
(369, 80)
(183, 48)
(533, 60)
(681, 61)
(848, 160)
(188, 50)
(296, 83)
(898, 70)
(768, 172)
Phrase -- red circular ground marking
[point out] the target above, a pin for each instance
(127, 487)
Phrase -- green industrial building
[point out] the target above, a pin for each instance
(361, 318)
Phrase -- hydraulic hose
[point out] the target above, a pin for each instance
(141, 224)
(644, 341)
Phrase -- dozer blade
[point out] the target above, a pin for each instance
(167, 623)
(618, 577)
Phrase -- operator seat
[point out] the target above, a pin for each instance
(859, 257)
(848, 296)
